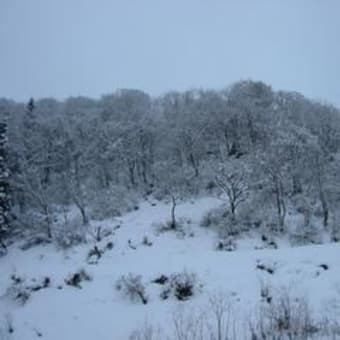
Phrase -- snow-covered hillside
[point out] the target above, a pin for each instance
(97, 310)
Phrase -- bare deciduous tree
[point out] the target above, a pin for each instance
(232, 180)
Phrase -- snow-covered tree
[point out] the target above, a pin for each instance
(4, 185)
(232, 180)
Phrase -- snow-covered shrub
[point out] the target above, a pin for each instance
(286, 317)
(215, 321)
(70, 232)
(94, 255)
(304, 235)
(227, 244)
(318, 212)
(335, 233)
(303, 206)
(77, 278)
(161, 280)
(33, 241)
(283, 318)
(270, 225)
(219, 318)
(146, 332)
(266, 292)
(167, 226)
(20, 291)
(214, 217)
(132, 287)
(210, 186)
(181, 285)
(33, 224)
(268, 242)
(251, 215)
(335, 227)
(232, 228)
(109, 245)
(131, 245)
(146, 242)
(111, 202)
(222, 221)
(269, 267)
(100, 232)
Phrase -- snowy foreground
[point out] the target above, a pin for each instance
(99, 311)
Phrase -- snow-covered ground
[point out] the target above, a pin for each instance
(99, 311)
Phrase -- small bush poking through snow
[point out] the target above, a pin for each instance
(214, 217)
(75, 279)
(70, 233)
(266, 293)
(94, 255)
(181, 285)
(112, 202)
(132, 287)
(109, 245)
(227, 244)
(34, 241)
(161, 280)
(285, 317)
(147, 332)
(45, 283)
(268, 267)
(20, 292)
(305, 235)
(99, 232)
(223, 222)
(168, 226)
(146, 242)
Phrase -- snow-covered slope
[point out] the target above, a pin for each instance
(99, 311)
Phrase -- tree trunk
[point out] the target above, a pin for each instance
(232, 209)
(324, 210)
(173, 217)
(194, 165)
(323, 201)
(83, 215)
(81, 206)
(132, 173)
(297, 187)
(144, 171)
(283, 206)
(3, 245)
(280, 203)
(106, 178)
(48, 221)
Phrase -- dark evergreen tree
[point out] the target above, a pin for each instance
(4, 186)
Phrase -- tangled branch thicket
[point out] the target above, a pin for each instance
(284, 318)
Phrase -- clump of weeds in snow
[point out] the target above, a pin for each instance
(132, 287)
(181, 285)
(146, 241)
(77, 278)
(20, 291)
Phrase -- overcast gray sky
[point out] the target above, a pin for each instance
(64, 48)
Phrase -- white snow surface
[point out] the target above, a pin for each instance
(99, 311)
